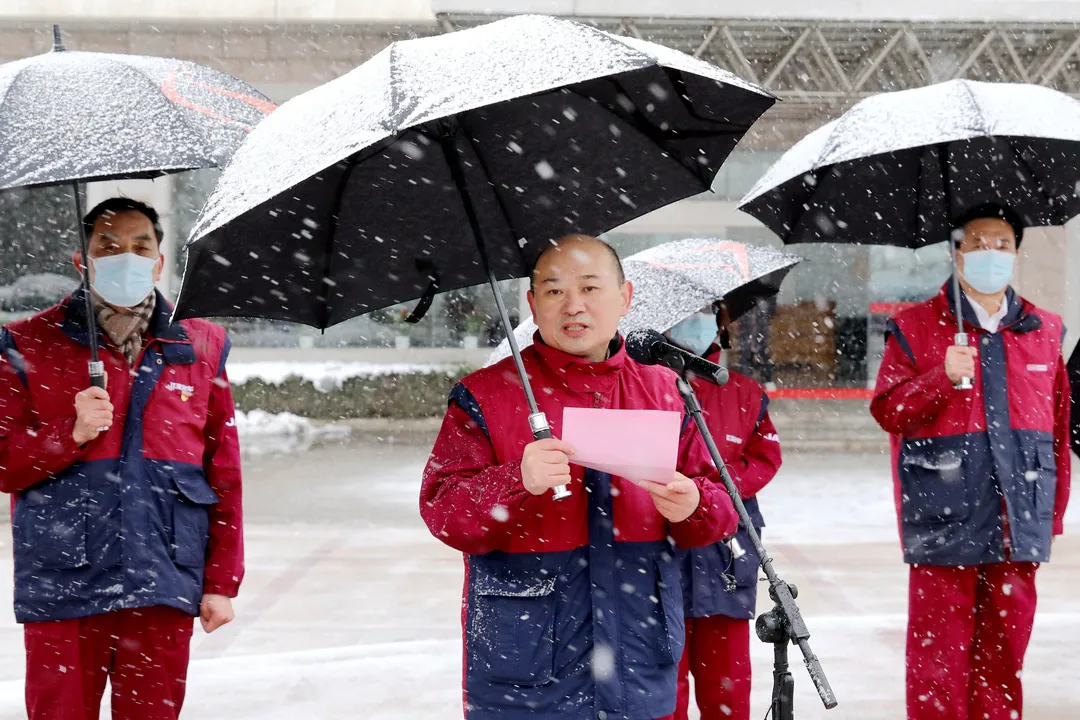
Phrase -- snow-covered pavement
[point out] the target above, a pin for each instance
(351, 610)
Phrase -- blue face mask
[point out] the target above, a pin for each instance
(988, 271)
(695, 333)
(123, 280)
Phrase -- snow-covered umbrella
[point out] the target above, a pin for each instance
(676, 279)
(68, 117)
(450, 161)
(898, 168)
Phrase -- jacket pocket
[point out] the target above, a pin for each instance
(191, 516)
(512, 625)
(933, 486)
(1043, 477)
(50, 523)
(669, 590)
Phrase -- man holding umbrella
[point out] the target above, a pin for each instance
(720, 581)
(982, 474)
(126, 510)
(572, 608)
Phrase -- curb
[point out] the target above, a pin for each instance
(424, 431)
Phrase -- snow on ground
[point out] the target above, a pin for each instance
(325, 376)
(351, 609)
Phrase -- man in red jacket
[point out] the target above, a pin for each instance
(720, 581)
(126, 512)
(573, 608)
(981, 475)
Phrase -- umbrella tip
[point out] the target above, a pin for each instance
(57, 42)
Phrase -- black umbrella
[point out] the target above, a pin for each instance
(68, 117)
(1073, 367)
(450, 161)
(899, 167)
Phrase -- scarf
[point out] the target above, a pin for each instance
(126, 327)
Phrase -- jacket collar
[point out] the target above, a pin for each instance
(1018, 319)
(176, 346)
(579, 374)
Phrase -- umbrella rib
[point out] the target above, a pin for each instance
(1032, 174)
(14, 79)
(494, 190)
(983, 130)
(919, 183)
(324, 319)
(653, 137)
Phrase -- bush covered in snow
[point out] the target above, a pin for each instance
(308, 392)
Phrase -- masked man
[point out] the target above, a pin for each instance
(981, 475)
(126, 510)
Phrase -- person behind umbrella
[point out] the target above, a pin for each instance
(720, 581)
(126, 509)
(572, 608)
(982, 475)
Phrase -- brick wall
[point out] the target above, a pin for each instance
(259, 54)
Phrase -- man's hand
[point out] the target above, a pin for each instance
(960, 363)
(215, 611)
(677, 500)
(93, 411)
(545, 464)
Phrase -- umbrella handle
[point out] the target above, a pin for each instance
(97, 379)
(961, 339)
(542, 431)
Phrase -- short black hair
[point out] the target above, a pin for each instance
(995, 211)
(116, 205)
(554, 244)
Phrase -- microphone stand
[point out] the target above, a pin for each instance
(784, 623)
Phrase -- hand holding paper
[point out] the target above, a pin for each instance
(639, 445)
(677, 500)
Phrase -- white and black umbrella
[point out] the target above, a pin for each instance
(898, 168)
(676, 279)
(68, 117)
(451, 161)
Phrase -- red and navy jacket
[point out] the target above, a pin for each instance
(572, 608)
(148, 513)
(737, 415)
(970, 466)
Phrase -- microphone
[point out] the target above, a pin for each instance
(649, 347)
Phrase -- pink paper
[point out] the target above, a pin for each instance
(634, 444)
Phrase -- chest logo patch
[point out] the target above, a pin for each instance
(1038, 368)
(186, 391)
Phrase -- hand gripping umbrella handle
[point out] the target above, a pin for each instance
(97, 379)
(961, 339)
(542, 431)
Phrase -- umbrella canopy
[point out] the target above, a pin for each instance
(897, 167)
(449, 161)
(1073, 367)
(70, 116)
(676, 279)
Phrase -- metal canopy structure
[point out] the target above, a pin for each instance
(820, 68)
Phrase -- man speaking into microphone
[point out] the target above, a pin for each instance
(572, 608)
